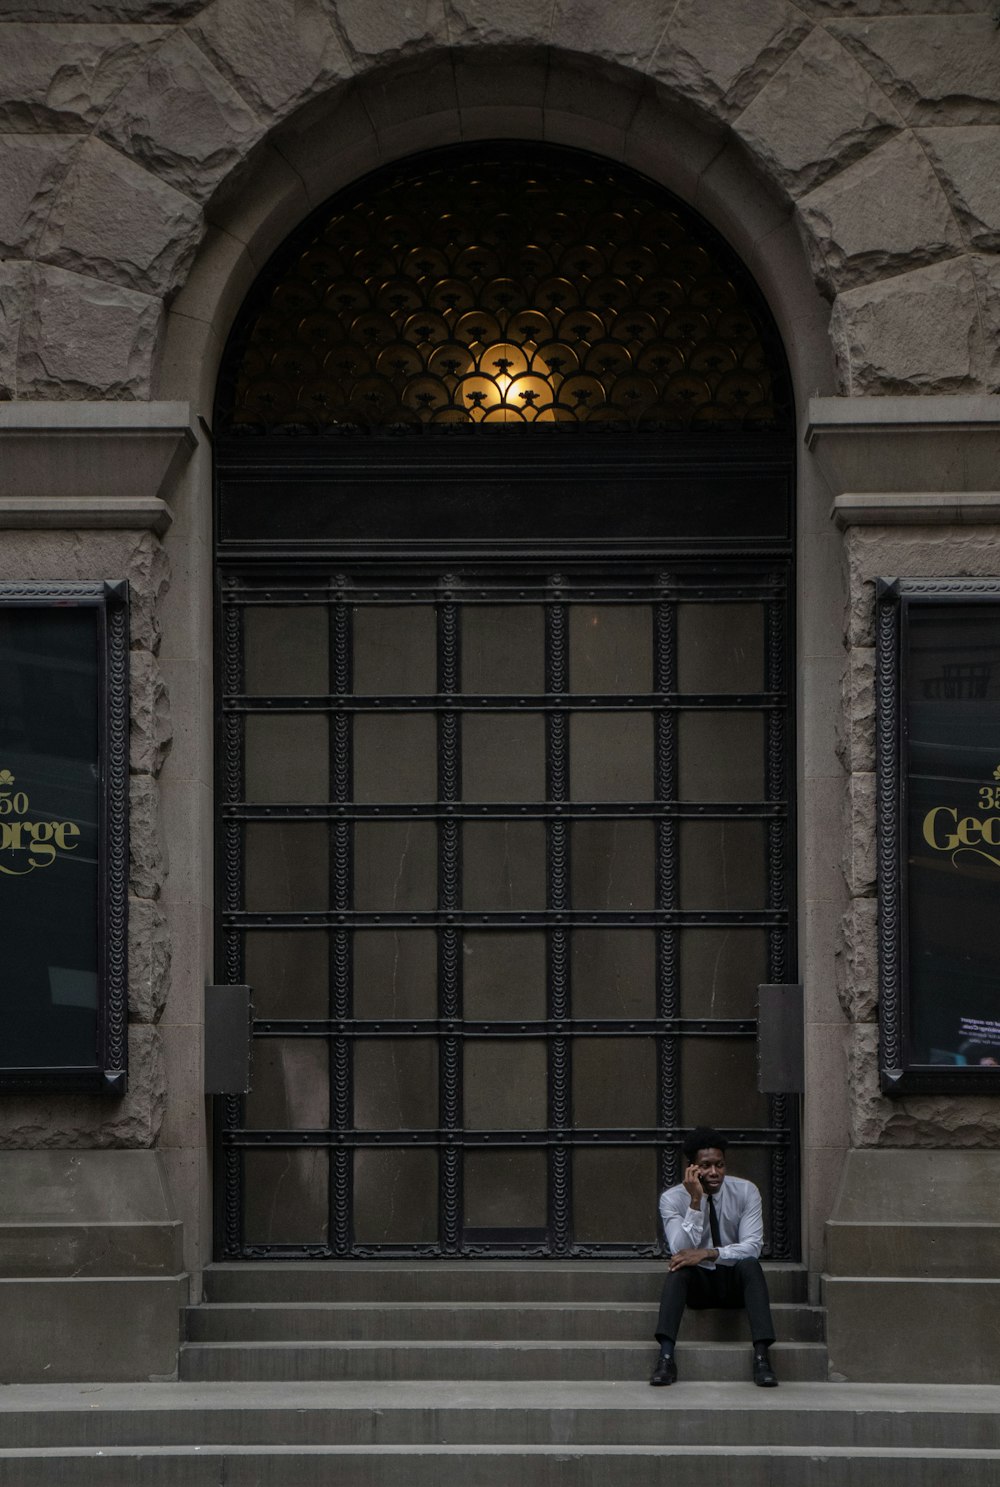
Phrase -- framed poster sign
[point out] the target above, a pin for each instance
(938, 773)
(64, 653)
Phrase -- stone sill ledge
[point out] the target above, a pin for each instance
(923, 451)
(920, 508)
(92, 464)
(26, 513)
(839, 416)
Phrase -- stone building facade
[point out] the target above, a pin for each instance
(154, 153)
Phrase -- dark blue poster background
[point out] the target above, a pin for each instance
(49, 837)
(952, 705)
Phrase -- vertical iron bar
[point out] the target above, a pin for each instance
(230, 1237)
(557, 782)
(341, 1176)
(667, 887)
(779, 1112)
(450, 939)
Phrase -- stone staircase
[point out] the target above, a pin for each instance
(488, 1375)
(473, 1321)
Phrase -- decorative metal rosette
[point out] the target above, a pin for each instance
(506, 288)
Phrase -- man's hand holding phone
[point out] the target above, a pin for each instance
(693, 1184)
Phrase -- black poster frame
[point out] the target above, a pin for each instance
(899, 1072)
(108, 1073)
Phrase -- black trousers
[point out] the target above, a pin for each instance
(728, 1286)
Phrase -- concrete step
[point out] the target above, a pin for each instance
(409, 1321)
(690, 1413)
(499, 1466)
(218, 1361)
(462, 1280)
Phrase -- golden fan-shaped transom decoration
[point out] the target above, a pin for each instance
(508, 289)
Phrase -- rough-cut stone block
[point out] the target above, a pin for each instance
(918, 553)
(276, 53)
(64, 76)
(857, 961)
(856, 744)
(859, 847)
(918, 1120)
(484, 23)
(180, 117)
(28, 1123)
(147, 851)
(391, 30)
(151, 732)
(720, 53)
(148, 572)
(967, 159)
(148, 960)
(68, 554)
(14, 285)
(829, 9)
(817, 114)
(915, 332)
(933, 67)
(883, 215)
(82, 338)
(616, 33)
(31, 170)
(986, 273)
(115, 221)
(102, 10)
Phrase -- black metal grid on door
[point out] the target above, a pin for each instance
(505, 851)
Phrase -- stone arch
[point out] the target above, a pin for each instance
(172, 122)
(610, 111)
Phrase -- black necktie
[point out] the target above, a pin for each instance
(713, 1223)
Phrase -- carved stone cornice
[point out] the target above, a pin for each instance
(91, 465)
(892, 461)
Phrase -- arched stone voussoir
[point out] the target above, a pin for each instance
(818, 113)
(180, 118)
(721, 53)
(376, 34)
(84, 338)
(883, 215)
(277, 54)
(114, 220)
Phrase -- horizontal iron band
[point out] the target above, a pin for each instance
(243, 593)
(531, 919)
(511, 811)
(273, 1027)
(637, 1136)
(527, 703)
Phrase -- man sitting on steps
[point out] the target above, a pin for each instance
(715, 1232)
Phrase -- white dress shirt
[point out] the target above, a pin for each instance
(741, 1222)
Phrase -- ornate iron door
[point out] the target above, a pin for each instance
(505, 849)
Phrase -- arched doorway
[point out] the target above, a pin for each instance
(505, 538)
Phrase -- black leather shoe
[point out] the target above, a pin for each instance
(665, 1371)
(764, 1375)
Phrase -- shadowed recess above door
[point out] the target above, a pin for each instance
(514, 286)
